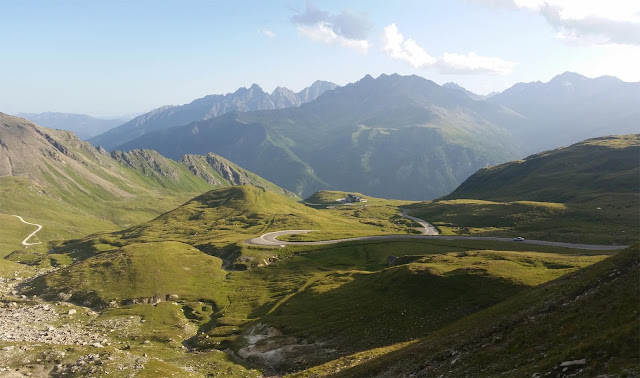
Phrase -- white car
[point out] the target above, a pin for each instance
(519, 238)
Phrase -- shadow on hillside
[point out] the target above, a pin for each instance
(355, 311)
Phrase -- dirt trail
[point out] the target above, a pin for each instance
(24, 242)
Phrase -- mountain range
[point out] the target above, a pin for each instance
(242, 100)
(570, 108)
(394, 136)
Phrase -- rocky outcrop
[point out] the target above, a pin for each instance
(268, 346)
(197, 166)
(242, 100)
(229, 172)
(147, 161)
(217, 170)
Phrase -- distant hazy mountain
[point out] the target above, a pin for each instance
(394, 137)
(242, 100)
(82, 125)
(572, 107)
(455, 86)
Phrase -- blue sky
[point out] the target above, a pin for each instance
(107, 58)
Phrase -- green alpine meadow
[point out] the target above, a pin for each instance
(320, 189)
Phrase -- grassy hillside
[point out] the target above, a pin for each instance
(218, 221)
(312, 307)
(585, 193)
(331, 197)
(585, 171)
(355, 303)
(138, 272)
(588, 315)
(72, 189)
(186, 278)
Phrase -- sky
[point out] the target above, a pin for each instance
(111, 58)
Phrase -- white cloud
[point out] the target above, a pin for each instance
(615, 60)
(323, 33)
(593, 29)
(585, 22)
(395, 46)
(348, 29)
(473, 63)
(613, 10)
(268, 33)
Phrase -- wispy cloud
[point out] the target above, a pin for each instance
(592, 29)
(268, 33)
(324, 33)
(473, 63)
(397, 47)
(347, 29)
(590, 22)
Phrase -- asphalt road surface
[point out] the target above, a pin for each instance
(428, 232)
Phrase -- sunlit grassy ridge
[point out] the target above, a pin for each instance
(149, 271)
(586, 193)
(218, 221)
(590, 314)
(582, 172)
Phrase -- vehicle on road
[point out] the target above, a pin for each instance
(519, 238)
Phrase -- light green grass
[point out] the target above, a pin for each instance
(218, 221)
(150, 271)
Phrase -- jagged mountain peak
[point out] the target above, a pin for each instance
(242, 100)
(253, 89)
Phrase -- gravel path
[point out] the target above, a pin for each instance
(24, 242)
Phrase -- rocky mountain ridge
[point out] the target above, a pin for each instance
(394, 136)
(242, 100)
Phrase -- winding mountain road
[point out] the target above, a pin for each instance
(428, 232)
(427, 228)
(24, 242)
